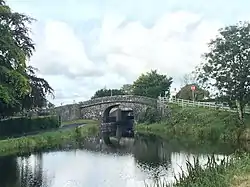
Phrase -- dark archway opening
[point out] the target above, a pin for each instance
(117, 122)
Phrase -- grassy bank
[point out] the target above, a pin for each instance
(18, 126)
(234, 173)
(79, 121)
(198, 125)
(47, 140)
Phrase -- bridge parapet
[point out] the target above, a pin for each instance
(120, 98)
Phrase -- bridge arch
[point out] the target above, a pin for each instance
(107, 111)
(95, 108)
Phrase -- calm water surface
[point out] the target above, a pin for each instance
(132, 165)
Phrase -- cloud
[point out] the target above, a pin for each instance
(62, 53)
(78, 59)
(173, 45)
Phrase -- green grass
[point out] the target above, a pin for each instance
(46, 140)
(79, 121)
(227, 173)
(198, 125)
(201, 125)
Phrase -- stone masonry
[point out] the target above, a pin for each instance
(68, 112)
(94, 108)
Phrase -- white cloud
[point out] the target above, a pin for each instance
(62, 52)
(173, 45)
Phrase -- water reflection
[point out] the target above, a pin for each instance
(133, 164)
(8, 172)
(151, 157)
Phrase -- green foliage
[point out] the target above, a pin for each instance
(14, 85)
(197, 125)
(80, 121)
(39, 90)
(151, 115)
(46, 140)
(224, 173)
(107, 92)
(18, 83)
(198, 176)
(127, 89)
(152, 84)
(186, 93)
(227, 66)
(16, 126)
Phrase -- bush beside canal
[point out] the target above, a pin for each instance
(46, 140)
(19, 126)
(199, 125)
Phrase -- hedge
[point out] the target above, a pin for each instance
(18, 126)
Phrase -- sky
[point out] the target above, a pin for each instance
(86, 45)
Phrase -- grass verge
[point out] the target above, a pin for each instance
(198, 125)
(79, 121)
(46, 140)
(233, 173)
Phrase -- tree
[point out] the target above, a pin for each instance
(186, 93)
(16, 47)
(151, 115)
(152, 84)
(107, 92)
(39, 90)
(188, 79)
(50, 105)
(127, 89)
(227, 65)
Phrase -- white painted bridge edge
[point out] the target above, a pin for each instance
(189, 103)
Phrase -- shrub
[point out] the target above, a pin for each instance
(18, 126)
(151, 115)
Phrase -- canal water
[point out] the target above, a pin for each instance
(135, 163)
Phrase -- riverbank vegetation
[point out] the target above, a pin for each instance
(226, 69)
(234, 172)
(198, 125)
(79, 121)
(47, 140)
(22, 125)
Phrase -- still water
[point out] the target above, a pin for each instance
(137, 162)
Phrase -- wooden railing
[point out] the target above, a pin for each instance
(189, 103)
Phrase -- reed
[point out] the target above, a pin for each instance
(226, 173)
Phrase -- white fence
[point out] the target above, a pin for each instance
(189, 103)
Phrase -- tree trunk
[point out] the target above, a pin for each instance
(240, 109)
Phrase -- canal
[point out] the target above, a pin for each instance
(135, 163)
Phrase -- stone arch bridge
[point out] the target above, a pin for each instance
(94, 108)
